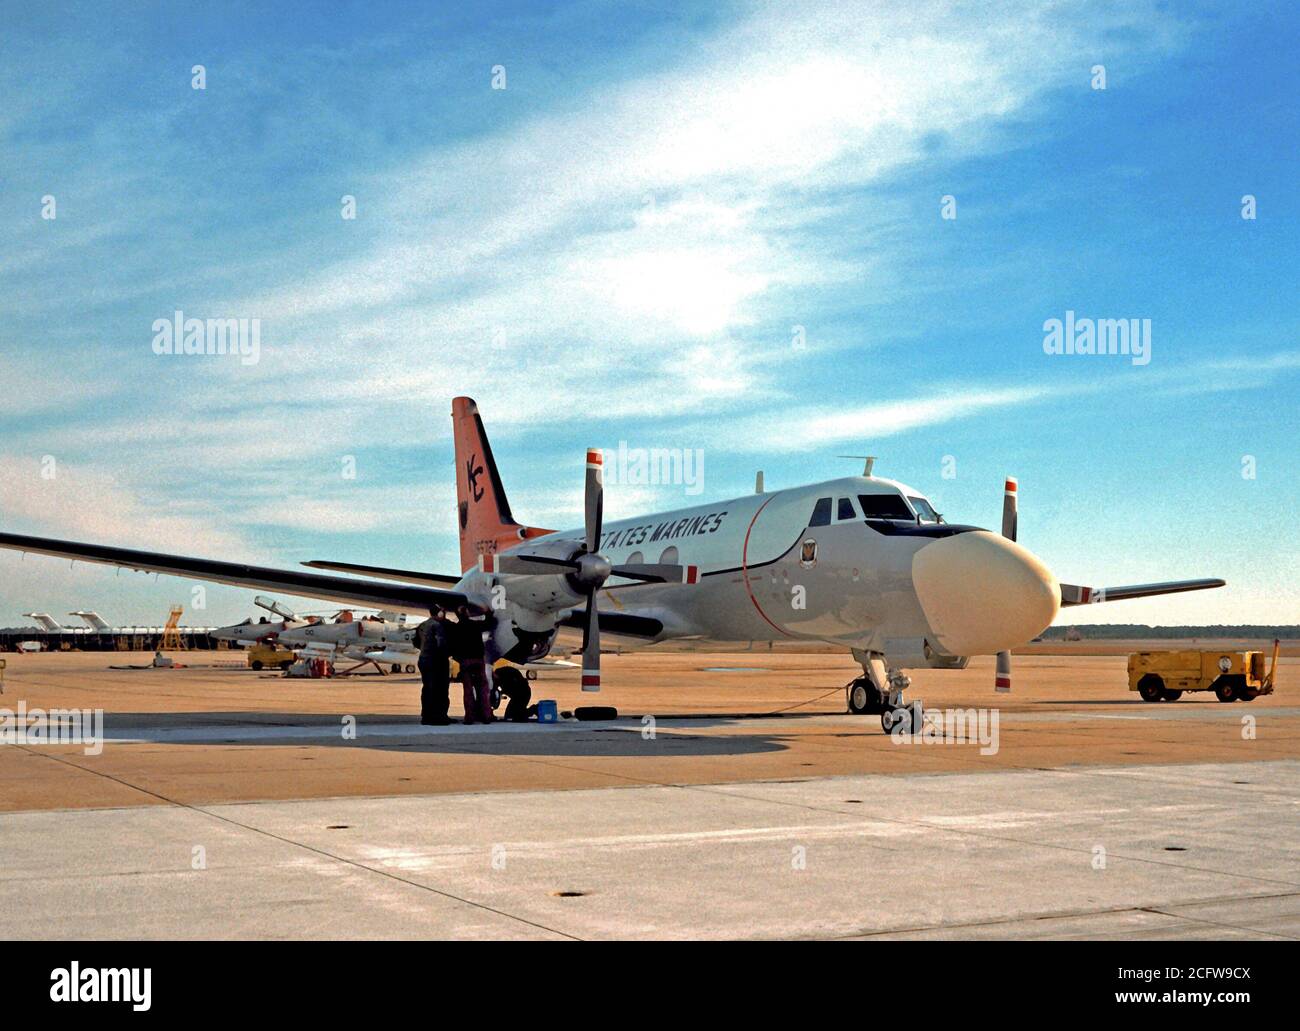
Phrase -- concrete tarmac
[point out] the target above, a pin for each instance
(229, 804)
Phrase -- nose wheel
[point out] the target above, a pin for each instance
(880, 692)
(904, 719)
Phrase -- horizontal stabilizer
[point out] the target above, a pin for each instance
(1072, 594)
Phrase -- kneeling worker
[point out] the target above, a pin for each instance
(435, 674)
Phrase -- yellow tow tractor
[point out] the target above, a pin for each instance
(262, 656)
(1232, 676)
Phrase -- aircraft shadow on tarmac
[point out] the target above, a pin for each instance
(1122, 701)
(622, 737)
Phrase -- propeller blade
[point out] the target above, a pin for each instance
(595, 497)
(591, 647)
(1010, 512)
(533, 565)
(657, 572)
(1002, 682)
(1010, 519)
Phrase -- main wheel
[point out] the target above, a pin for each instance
(256, 664)
(1151, 687)
(863, 697)
(1225, 690)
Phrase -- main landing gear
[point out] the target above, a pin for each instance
(881, 691)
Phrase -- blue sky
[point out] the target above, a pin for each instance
(618, 246)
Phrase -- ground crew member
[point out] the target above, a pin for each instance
(435, 673)
(514, 685)
(466, 638)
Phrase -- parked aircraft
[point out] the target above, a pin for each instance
(862, 562)
(95, 621)
(47, 622)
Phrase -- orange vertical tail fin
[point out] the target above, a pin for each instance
(482, 510)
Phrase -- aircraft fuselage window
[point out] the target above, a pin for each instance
(846, 509)
(885, 506)
(925, 510)
(822, 513)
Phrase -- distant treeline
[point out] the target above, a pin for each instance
(1108, 631)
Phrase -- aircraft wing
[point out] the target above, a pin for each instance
(1072, 594)
(406, 575)
(400, 597)
(622, 623)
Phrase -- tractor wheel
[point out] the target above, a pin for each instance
(1151, 687)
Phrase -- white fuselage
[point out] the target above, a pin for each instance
(363, 633)
(256, 633)
(776, 567)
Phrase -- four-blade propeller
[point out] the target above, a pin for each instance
(587, 569)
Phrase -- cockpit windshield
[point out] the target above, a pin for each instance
(925, 511)
(885, 506)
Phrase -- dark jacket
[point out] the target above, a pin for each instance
(431, 637)
(465, 639)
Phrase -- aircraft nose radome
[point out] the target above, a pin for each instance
(982, 593)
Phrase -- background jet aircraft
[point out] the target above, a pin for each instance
(862, 562)
(46, 622)
(94, 620)
(263, 630)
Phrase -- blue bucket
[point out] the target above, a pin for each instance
(548, 711)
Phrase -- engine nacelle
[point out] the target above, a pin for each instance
(544, 594)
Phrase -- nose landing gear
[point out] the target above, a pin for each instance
(881, 692)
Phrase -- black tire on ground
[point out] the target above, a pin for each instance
(1225, 690)
(1247, 696)
(891, 718)
(595, 713)
(255, 664)
(860, 692)
(1170, 695)
(409, 668)
(1151, 687)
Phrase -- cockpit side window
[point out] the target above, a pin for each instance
(885, 506)
(822, 513)
(845, 509)
(925, 510)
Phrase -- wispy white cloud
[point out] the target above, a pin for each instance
(76, 502)
(805, 427)
(601, 246)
